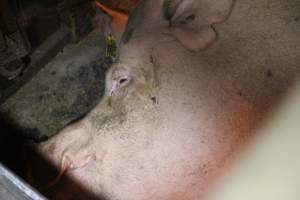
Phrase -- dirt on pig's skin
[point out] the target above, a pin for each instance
(130, 148)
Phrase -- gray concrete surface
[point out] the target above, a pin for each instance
(63, 91)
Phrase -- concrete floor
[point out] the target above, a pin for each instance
(63, 91)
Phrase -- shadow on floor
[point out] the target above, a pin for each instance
(19, 157)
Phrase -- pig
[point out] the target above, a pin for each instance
(166, 127)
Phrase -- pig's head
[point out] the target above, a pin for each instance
(133, 76)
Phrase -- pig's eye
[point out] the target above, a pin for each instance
(123, 81)
(119, 79)
(118, 84)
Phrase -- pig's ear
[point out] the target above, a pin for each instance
(191, 21)
(117, 79)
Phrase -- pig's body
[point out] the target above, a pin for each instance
(167, 133)
(171, 142)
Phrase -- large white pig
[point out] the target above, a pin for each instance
(171, 119)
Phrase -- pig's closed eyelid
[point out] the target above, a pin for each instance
(123, 80)
(119, 83)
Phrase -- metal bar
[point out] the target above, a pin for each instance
(13, 188)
